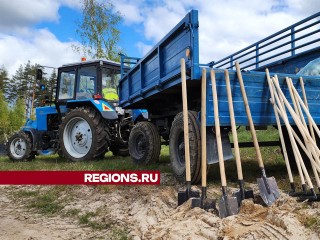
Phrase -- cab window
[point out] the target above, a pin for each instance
(66, 85)
(87, 82)
(110, 81)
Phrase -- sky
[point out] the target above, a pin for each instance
(43, 31)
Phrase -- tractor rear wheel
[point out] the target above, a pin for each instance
(144, 143)
(19, 147)
(176, 148)
(82, 135)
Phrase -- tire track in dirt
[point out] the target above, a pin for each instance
(151, 212)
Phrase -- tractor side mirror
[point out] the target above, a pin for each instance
(39, 74)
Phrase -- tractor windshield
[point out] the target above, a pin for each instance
(110, 81)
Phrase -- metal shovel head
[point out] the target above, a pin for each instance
(269, 197)
(247, 194)
(228, 206)
(183, 195)
(205, 204)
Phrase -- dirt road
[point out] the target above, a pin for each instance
(148, 212)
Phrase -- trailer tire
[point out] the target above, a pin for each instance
(82, 135)
(19, 147)
(144, 143)
(176, 148)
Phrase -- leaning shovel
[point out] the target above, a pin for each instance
(268, 187)
(184, 195)
(203, 202)
(227, 205)
(242, 193)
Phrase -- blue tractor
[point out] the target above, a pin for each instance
(84, 120)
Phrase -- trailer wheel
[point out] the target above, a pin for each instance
(82, 135)
(19, 147)
(144, 143)
(176, 148)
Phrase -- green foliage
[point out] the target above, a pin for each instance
(98, 30)
(4, 117)
(3, 80)
(17, 115)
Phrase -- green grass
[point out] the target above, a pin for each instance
(48, 201)
(118, 234)
(110, 162)
(272, 157)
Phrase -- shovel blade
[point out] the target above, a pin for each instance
(184, 196)
(247, 194)
(228, 206)
(205, 204)
(269, 197)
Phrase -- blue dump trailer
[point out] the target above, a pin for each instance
(154, 83)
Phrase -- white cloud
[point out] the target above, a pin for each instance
(225, 26)
(18, 13)
(41, 47)
(19, 42)
(143, 48)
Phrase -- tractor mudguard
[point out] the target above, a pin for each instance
(137, 114)
(102, 106)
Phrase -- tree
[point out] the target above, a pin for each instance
(3, 80)
(4, 117)
(17, 115)
(98, 30)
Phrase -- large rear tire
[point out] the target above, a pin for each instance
(144, 143)
(19, 147)
(176, 148)
(82, 135)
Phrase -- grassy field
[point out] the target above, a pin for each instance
(272, 157)
(51, 201)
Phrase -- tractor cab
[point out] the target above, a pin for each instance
(88, 80)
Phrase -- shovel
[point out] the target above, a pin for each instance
(282, 101)
(268, 187)
(203, 202)
(283, 145)
(242, 193)
(184, 195)
(227, 205)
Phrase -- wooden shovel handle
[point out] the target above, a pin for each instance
(185, 119)
(246, 104)
(283, 144)
(203, 128)
(217, 128)
(233, 126)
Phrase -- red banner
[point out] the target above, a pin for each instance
(79, 177)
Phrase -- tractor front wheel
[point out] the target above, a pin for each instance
(19, 147)
(82, 135)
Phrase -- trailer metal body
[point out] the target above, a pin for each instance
(154, 82)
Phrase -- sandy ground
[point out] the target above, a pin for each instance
(150, 212)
